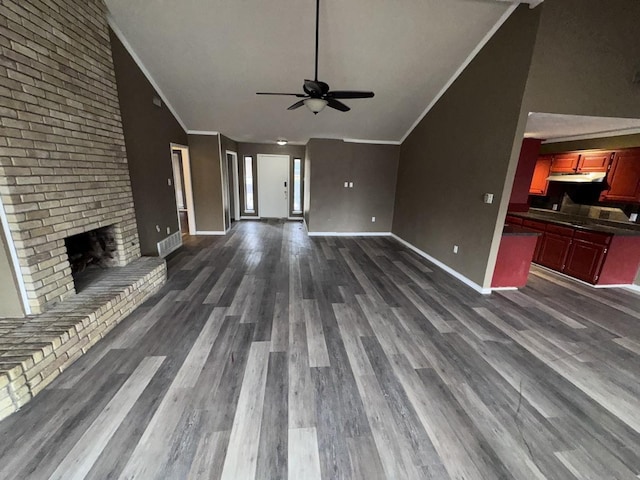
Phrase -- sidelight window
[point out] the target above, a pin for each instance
(297, 185)
(248, 185)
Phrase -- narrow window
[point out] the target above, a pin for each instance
(248, 185)
(297, 185)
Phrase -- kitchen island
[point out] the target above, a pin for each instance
(517, 247)
(600, 252)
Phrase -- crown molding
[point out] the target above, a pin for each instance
(202, 132)
(372, 142)
(136, 59)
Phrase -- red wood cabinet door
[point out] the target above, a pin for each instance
(624, 177)
(553, 251)
(585, 260)
(539, 183)
(594, 161)
(565, 162)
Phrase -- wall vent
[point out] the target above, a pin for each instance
(169, 244)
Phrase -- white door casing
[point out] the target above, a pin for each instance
(273, 186)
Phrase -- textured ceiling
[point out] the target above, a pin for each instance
(551, 126)
(209, 57)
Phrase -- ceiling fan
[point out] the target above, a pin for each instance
(317, 94)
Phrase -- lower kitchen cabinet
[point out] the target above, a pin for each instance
(595, 257)
(584, 260)
(553, 252)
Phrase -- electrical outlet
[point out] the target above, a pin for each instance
(158, 228)
(455, 249)
(169, 181)
(373, 219)
(168, 230)
(554, 207)
(633, 217)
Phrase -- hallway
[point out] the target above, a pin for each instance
(271, 355)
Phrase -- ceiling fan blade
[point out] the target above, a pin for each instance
(300, 95)
(349, 94)
(298, 104)
(312, 88)
(333, 103)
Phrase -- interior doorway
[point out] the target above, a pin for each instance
(273, 186)
(182, 185)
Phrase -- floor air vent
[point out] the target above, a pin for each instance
(169, 244)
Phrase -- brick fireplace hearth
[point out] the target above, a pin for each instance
(63, 166)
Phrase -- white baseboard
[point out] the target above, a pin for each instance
(348, 234)
(205, 232)
(503, 289)
(446, 268)
(587, 284)
(633, 288)
(298, 219)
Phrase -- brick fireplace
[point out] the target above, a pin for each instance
(63, 166)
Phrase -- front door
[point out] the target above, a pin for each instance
(273, 186)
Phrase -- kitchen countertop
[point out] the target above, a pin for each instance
(516, 230)
(579, 223)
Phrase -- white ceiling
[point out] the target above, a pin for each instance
(554, 127)
(209, 57)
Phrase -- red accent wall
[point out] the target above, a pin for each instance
(519, 201)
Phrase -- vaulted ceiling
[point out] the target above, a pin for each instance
(210, 57)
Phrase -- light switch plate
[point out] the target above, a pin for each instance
(346, 184)
(350, 184)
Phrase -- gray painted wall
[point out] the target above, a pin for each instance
(10, 302)
(462, 149)
(253, 150)
(371, 168)
(148, 132)
(206, 182)
(586, 54)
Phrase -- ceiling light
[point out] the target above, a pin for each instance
(315, 104)
(282, 142)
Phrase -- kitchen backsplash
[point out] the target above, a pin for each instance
(583, 200)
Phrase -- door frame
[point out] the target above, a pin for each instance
(188, 190)
(236, 191)
(262, 155)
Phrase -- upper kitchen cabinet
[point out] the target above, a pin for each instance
(594, 162)
(565, 162)
(539, 182)
(624, 177)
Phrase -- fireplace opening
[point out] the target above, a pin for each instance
(91, 254)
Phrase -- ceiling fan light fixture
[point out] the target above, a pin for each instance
(315, 104)
(282, 142)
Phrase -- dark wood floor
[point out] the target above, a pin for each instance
(273, 355)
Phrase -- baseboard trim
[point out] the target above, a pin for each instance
(586, 284)
(348, 234)
(206, 232)
(446, 268)
(503, 289)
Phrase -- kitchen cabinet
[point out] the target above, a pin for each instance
(584, 260)
(554, 247)
(624, 177)
(565, 162)
(539, 183)
(594, 162)
(596, 257)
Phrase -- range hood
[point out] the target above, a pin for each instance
(591, 177)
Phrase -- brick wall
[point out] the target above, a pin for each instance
(63, 166)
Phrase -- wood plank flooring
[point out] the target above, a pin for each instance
(272, 355)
